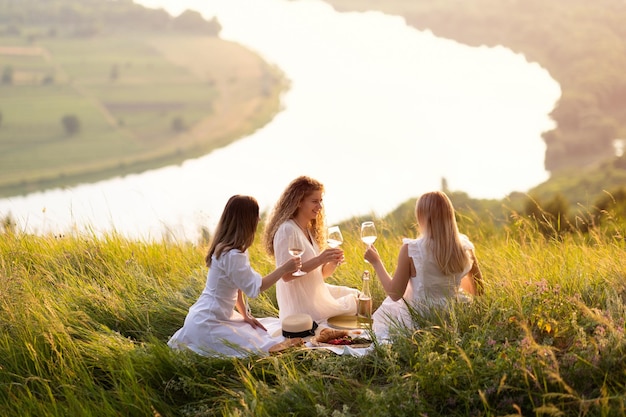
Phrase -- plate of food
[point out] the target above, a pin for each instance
(333, 338)
(349, 322)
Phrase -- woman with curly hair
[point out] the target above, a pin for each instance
(300, 211)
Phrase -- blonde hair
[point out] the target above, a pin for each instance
(434, 212)
(236, 228)
(287, 207)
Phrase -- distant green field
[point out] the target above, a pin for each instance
(142, 102)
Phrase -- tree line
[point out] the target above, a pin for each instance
(84, 18)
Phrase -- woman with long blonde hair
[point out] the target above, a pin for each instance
(430, 269)
(299, 212)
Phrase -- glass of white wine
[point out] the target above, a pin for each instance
(368, 233)
(296, 248)
(335, 238)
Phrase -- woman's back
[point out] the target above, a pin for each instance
(429, 284)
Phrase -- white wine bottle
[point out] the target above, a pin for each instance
(364, 301)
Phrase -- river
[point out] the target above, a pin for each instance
(377, 110)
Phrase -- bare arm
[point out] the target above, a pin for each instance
(472, 283)
(394, 287)
(328, 268)
(240, 305)
(266, 282)
(284, 271)
(334, 257)
(281, 243)
(329, 259)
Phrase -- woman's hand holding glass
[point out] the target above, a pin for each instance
(371, 255)
(293, 264)
(334, 255)
(368, 234)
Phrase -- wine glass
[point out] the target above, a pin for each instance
(334, 239)
(296, 248)
(368, 233)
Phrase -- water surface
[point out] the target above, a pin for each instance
(378, 111)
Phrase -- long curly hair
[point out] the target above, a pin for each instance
(287, 207)
(236, 227)
(435, 212)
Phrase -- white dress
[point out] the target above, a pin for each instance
(213, 326)
(309, 293)
(428, 288)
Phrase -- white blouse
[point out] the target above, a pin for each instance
(429, 287)
(309, 293)
(212, 325)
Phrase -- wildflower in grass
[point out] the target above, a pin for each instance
(525, 343)
(568, 359)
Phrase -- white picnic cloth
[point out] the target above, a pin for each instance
(273, 327)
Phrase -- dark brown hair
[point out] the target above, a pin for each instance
(236, 228)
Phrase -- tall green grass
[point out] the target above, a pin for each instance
(84, 323)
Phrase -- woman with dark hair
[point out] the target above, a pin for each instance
(299, 211)
(212, 325)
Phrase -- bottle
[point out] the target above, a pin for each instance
(364, 300)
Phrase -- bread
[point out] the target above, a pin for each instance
(328, 334)
(286, 344)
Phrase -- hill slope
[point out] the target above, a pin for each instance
(78, 107)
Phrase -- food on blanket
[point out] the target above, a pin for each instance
(286, 344)
(340, 337)
(347, 340)
(330, 334)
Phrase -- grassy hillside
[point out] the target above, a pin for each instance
(85, 323)
(139, 101)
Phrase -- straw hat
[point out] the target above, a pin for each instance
(298, 325)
